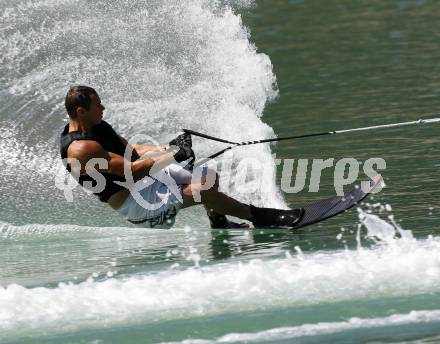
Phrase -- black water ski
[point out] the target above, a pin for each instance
(327, 208)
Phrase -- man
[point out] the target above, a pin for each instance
(93, 152)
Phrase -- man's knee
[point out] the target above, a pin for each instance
(210, 180)
(206, 187)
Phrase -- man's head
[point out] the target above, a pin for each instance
(83, 102)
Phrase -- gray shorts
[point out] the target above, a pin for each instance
(157, 204)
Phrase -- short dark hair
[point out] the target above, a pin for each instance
(78, 96)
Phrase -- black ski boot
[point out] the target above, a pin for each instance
(220, 222)
(275, 218)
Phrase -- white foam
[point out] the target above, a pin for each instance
(324, 328)
(34, 231)
(409, 268)
(163, 66)
(381, 231)
(16, 154)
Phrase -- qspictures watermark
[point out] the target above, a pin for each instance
(250, 175)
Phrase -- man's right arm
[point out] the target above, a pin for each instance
(85, 150)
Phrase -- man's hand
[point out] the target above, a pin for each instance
(182, 140)
(185, 152)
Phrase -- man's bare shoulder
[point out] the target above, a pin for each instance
(86, 149)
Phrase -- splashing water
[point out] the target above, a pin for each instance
(162, 67)
(381, 231)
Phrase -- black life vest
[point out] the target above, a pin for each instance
(105, 135)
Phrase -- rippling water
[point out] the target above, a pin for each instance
(74, 272)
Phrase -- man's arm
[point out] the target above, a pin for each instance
(142, 149)
(85, 150)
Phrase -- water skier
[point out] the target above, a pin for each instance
(93, 152)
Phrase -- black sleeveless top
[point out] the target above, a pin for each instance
(104, 134)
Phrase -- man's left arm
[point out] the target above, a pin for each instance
(142, 149)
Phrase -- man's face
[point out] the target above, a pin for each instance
(94, 114)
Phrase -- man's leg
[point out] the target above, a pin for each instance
(219, 203)
(215, 201)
